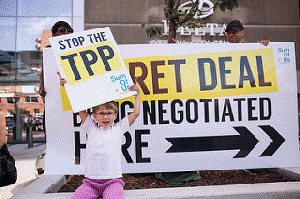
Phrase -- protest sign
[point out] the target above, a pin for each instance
(204, 107)
(91, 63)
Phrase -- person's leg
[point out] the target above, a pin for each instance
(113, 191)
(85, 191)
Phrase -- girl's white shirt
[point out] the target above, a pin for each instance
(103, 149)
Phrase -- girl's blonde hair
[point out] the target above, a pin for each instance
(108, 105)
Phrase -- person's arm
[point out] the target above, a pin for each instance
(83, 115)
(62, 81)
(137, 105)
(2, 129)
(42, 91)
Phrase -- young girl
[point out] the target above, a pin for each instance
(103, 149)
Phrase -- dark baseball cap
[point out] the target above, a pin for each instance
(234, 25)
(59, 24)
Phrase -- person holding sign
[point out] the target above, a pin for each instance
(59, 28)
(103, 150)
(235, 33)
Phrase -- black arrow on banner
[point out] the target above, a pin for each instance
(277, 140)
(245, 142)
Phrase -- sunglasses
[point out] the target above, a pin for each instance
(63, 30)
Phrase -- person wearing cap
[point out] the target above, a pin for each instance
(235, 33)
(59, 28)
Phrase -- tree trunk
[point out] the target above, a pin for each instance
(172, 32)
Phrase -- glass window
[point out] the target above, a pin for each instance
(7, 48)
(29, 60)
(8, 8)
(28, 67)
(29, 29)
(31, 99)
(45, 8)
(8, 33)
(34, 99)
(10, 100)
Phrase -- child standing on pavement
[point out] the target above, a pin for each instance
(103, 150)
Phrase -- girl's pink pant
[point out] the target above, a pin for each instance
(92, 188)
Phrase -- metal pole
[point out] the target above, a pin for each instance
(18, 120)
(30, 138)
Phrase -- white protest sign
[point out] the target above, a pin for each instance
(204, 107)
(91, 63)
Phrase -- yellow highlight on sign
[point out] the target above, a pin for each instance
(65, 102)
(206, 75)
(89, 62)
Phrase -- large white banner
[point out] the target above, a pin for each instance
(204, 107)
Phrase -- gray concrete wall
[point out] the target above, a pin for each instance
(276, 20)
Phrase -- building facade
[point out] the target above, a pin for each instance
(274, 20)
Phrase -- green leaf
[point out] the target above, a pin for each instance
(148, 31)
(158, 30)
(222, 7)
(143, 25)
(152, 33)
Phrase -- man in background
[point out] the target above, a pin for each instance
(235, 33)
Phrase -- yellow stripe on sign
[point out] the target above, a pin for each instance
(89, 62)
(65, 102)
(206, 75)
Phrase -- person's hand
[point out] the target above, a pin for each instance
(62, 81)
(264, 42)
(173, 40)
(42, 91)
(134, 88)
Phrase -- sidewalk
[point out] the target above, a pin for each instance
(25, 162)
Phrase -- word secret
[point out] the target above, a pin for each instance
(246, 74)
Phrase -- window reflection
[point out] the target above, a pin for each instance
(29, 29)
(45, 8)
(8, 33)
(28, 59)
(7, 49)
(8, 8)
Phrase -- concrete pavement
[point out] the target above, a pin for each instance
(30, 186)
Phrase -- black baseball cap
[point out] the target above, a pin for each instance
(234, 25)
(59, 24)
